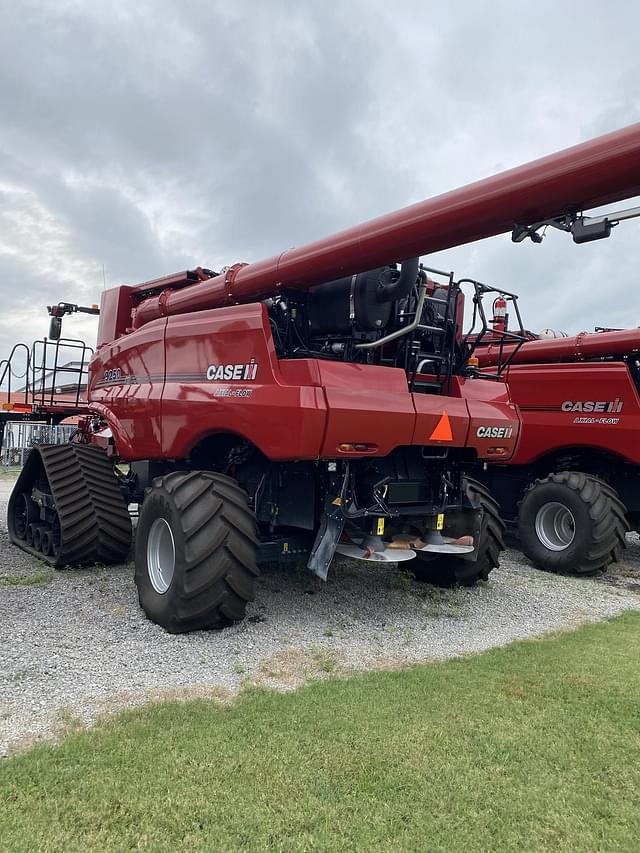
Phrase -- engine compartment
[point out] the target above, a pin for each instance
(392, 316)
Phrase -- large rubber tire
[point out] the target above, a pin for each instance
(214, 538)
(452, 571)
(598, 523)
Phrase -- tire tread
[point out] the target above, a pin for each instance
(608, 522)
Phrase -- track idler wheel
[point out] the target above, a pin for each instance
(38, 530)
(25, 513)
(46, 543)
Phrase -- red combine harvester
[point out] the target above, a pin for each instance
(314, 402)
(573, 486)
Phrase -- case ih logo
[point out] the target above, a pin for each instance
(592, 405)
(494, 432)
(225, 372)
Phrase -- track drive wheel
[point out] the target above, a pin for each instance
(195, 552)
(450, 571)
(572, 522)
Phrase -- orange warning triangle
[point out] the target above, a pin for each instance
(442, 432)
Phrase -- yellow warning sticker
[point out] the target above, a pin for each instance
(440, 521)
(380, 526)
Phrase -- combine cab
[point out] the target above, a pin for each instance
(314, 403)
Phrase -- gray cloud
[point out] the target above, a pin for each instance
(157, 136)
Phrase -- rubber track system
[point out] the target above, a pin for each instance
(599, 541)
(94, 525)
(112, 516)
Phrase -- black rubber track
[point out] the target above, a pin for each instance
(449, 571)
(601, 523)
(112, 516)
(215, 540)
(94, 525)
(78, 528)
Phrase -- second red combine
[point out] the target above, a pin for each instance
(573, 486)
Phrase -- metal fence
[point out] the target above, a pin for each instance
(21, 436)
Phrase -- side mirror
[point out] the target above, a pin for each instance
(55, 328)
(584, 231)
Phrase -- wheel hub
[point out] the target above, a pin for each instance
(161, 555)
(555, 526)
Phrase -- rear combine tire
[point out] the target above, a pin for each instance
(572, 522)
(451, 571)
(196, 544)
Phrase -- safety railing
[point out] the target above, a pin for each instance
(49, 374)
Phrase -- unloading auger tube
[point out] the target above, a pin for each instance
(598, 172)
(581, 347)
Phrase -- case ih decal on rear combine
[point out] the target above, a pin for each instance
(592, 406)
(362, 433)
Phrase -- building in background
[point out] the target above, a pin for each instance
(20, 436)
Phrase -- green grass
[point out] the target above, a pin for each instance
(9, 473)
(532, 747)
(41, 577)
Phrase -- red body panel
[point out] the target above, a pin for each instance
(542, 391)
(366, 405)
(115, 313)
(286, 421)
(491, 405)
(288, 409)
(131, 403)
(429, 412)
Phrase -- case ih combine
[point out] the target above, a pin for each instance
(573, 486)
(314, 402)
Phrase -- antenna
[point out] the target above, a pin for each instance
(104, 279)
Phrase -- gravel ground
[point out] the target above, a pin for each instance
(75, 645)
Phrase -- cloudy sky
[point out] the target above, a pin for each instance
(150, 137)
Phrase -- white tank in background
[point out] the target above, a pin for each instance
(547, 334)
